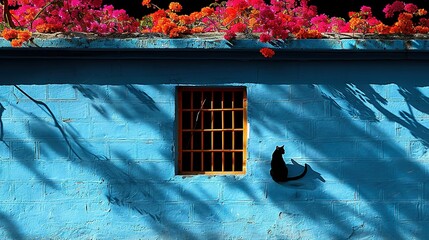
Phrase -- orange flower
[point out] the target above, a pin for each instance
(308, 33)
(185, 20)
(49, 28)
(196, 16)
(404, 24)
(405, 16)
(421, 12)
(16, 42)
(158, 15)
(382, 28)
(197, 30)
(175, 32)
(173, 16)
(146, 3)
(9, 34)
(16, 37)
(207, 11)
(24, 35)
(422, 29)
(166, 26)
(267, 52)
(253, 23)
(175, 7)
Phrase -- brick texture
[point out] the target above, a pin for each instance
(105, 167)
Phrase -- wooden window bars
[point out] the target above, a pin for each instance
(212, 125)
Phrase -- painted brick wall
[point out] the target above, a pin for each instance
(100, 164)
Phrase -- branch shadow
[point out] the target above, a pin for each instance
(2, 109)
(130, 186)
(11, 228)
(349, 153)
(400, 172)
(369, 200)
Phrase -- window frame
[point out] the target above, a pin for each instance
(244, 130)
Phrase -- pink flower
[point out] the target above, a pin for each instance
(366, 10)
(390, 9)
(75, 3)
(229, 35)
(264, 37)
(266, 13)
(238, 27)
(257, 3)
(398, 6)
(39, 3)
(372, 21)
(240, 4)
(411, 8)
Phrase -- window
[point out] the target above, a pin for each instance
(212, 130)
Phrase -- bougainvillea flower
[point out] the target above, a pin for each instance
(16, 37)
(175, 7)
(146, 3)
(264, 37)
(267, 52)
(411, 8)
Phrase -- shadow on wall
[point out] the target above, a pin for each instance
(343, 131)
(360, 143)
(140, 186)
(1, 122)
(10, 226)
(310, 181)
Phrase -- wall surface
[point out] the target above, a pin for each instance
(92, 155)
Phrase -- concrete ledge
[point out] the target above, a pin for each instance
(213, 46)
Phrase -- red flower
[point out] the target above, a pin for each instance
(267, 52)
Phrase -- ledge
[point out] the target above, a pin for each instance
(213, 46)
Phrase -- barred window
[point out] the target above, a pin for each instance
(212, 135)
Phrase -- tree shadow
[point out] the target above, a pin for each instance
(372, 182)
(131, 183)
(11, 228)
(400, 172)
(1, 122)
(370, 176)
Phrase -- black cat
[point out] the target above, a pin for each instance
(279, 171)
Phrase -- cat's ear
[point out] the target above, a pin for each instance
(282, 146)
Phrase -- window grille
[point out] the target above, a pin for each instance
(212, 125)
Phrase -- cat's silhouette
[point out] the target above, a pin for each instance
(279, 170)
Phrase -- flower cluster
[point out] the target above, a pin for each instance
(365, 22)
(173, 24)
(71, 16)
(16, 37)
(273, 20)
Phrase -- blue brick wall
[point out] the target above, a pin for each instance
(107, 171)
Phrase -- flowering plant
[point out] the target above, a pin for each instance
(278, 19)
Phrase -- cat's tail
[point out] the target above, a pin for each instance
(299, 176)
